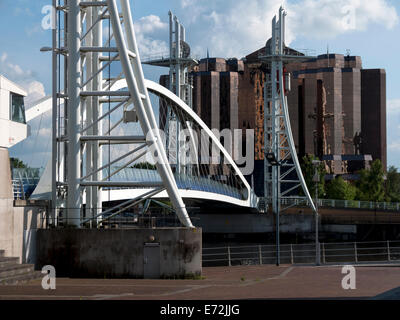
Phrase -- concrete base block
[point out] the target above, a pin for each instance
(121, 253)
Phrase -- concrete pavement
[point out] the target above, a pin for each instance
(242, 282)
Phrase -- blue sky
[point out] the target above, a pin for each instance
(228, 28)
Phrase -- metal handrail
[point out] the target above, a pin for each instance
(389, 249)
(353, 204)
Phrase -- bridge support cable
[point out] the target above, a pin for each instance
(115, 160)
(125, 205)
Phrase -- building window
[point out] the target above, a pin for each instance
(17, 112)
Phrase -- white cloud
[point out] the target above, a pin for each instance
(323, 19)
(236, 28)
(35, 90)
(150, 24)
(13, 71)
(149, 31)
(24, 78)
(229, 28)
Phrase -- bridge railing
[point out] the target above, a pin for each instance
(24, 181)
(340, 252)
(351, 204)
(183, 181)
(18, 189)
(131, 220)
(164, 55)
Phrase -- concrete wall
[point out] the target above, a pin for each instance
(253, 223)
(18, 225)
(18, 228)
(118, 253)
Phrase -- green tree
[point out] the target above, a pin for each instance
(340, 189)
(371, 184)
(17, 163)
(308, 170)
(392, 185)
(144, 165)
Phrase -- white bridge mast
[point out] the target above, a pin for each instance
(280, 156)
(77, 110)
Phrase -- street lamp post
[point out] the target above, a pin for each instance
(271, 158)
(316, 179)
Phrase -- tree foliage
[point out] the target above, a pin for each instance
(370, 187)
(371, 183)
(17, 163)
(392, 187)
(308, 170)
(340, 189)
(144, 165)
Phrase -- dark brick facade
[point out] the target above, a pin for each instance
(332, 102)
(373, 114)
(216, 92)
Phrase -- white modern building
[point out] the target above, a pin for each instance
(13, 127)
(17, 224)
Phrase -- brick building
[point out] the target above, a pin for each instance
(337, 109)
(215, 92)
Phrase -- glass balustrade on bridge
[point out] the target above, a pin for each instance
(183, 181)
